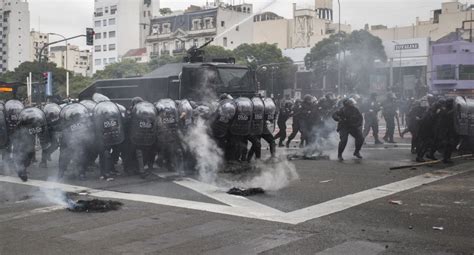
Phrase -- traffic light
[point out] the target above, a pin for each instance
(48, 83)
(308, 62)
(90, 36)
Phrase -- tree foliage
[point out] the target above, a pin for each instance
(358, 52)
(123, 69)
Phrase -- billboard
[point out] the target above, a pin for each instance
(406, 48)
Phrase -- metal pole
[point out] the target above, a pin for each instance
(30, 78)
(67, 85)
(400, 75)
(339, 87)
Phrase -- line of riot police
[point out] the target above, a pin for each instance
(142, 135)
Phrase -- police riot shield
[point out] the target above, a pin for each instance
(122, 110)
(108, 124)
(33, 122)
(185, 112)
(12, 114)
(89, 104)
(97, 97)
(142, 124)
(76, 125)
(225, 113)
(258, 114)
(243, 116)
(464, 116)
(3, 130)
(270, 113)
(167, 120)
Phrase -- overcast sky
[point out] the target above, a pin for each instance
(71, 17)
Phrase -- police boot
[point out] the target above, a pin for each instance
(357, 155)
(23, 175)
(418, 159)
(431, 156)
(377, 141)
(339, 157)
(288, 144)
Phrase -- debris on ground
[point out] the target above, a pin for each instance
(438, 228)
(246, 192)
(395, 202)
(307, 157)
(326, 181)
(92, 206)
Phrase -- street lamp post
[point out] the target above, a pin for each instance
(66, 60)
(339, 87)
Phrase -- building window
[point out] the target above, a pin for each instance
(208, 23)
(97, 48)
(224, 41)
(111, 21)
(104, 47)
(98, 36)
(222, 23)
(155, 29)
(195, 43)
(98, 62)
(97, 23)
(111, 60)
(105, 34)
(113, 9)
(466, 72)
(112, 34)
(104, 22)
(195, 25)
(106, 9)
(105, 61)
(98, 12)
(446, 72)
(111, 47)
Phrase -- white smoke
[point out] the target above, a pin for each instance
(272, 175)
(209, 157)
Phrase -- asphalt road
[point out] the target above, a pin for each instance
(349, 207)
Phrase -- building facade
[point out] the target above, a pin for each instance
(452, 16)
(229, 27)
(71, 58)
(308, 26)
(14, 34)
(452, 65)
(120, 25)
(37, 41)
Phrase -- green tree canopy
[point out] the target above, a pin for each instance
(123, 69)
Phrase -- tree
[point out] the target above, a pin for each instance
(213, 52)
(163, 60)
(359, 50)
(278, 75)
(124, 69)
(165, 11)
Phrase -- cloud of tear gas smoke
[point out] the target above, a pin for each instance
(325, 142)
(209, 157)
(54, 196)
(274, 175)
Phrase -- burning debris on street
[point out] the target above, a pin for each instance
(92, 206)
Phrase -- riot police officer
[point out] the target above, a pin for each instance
(389, 113)
(349, 121)
(371, 120)
(283, 116)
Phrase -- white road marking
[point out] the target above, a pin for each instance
(221, 196)
(37, 211)
(251, 209)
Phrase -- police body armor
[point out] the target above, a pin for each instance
(76, 125)
(89, 104)
(98, 98)
(108, 124)
(243, 117)
(270, 113)
(142, 124)
(464, 116)
(185, 111)
(32, 124)
(12, 114)
(167, 120)
(258, 116)
(224, 115)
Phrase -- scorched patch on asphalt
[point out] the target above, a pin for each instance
(93, 206)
